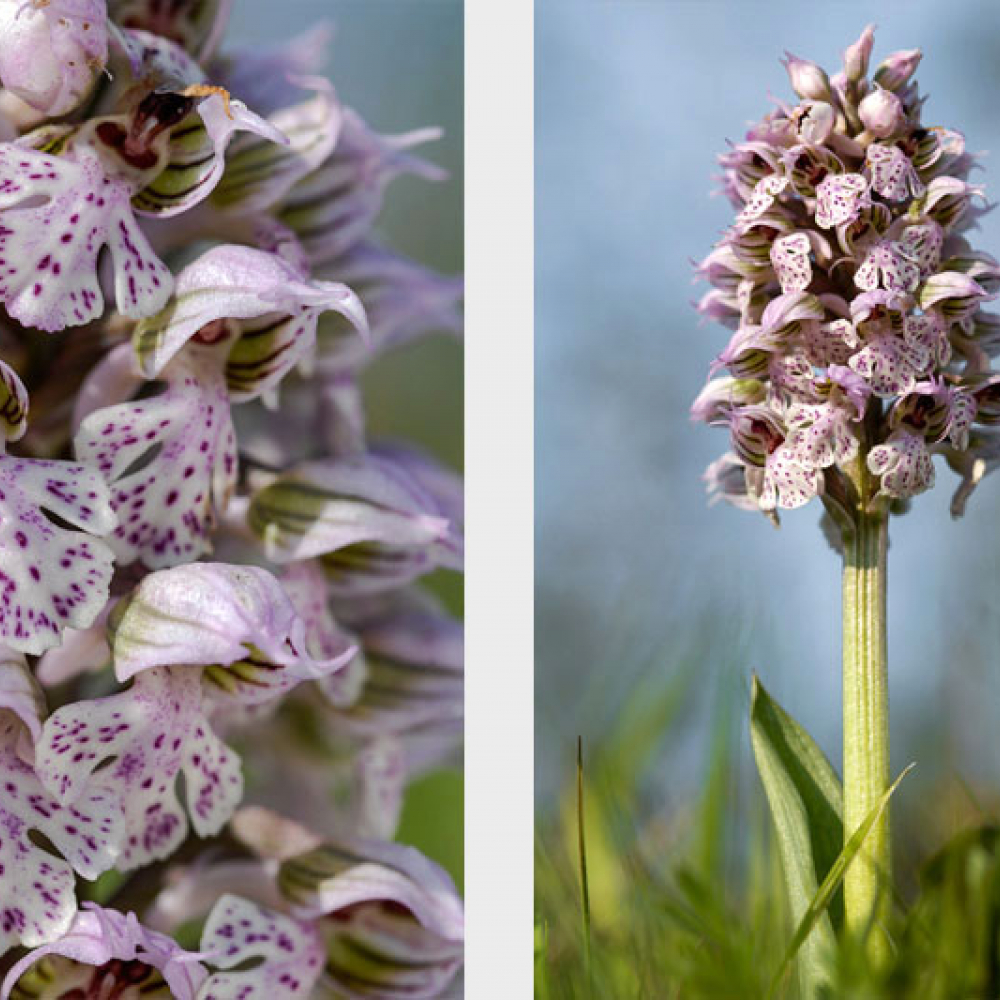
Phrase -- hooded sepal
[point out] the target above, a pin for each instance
(197, 25)
(273, 306)
(378, 521)
(397, 926)
(235, 620)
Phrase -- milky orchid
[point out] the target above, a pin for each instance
(874, 200)
(861, 351)
(200, 547)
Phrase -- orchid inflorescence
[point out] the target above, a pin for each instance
(198, 543)
(856, 299)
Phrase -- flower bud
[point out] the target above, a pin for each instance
(52, 53)
(856, 56)
(897, 68)
(816, 121)
(722, 394)
(808, 80)
(881, 112)
(756, 433)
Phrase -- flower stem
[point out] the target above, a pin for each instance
(866, 722)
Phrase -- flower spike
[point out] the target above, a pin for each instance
(853, 293)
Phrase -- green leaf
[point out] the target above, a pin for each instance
(817, 906)
(806, 803)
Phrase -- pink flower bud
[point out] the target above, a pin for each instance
(897, 68)
(53, 53)
(808, 80)
(881, 112)
(856, 56)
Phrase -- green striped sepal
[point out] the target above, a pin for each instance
(394, 923)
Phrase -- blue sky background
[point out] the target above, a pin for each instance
(633, 101)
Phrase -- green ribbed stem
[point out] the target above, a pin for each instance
(866, 723)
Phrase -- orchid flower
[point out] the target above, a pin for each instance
(199, 544)
(861, 351)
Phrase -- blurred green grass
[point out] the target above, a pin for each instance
(688, 901)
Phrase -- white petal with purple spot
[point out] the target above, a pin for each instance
(51, 577)
(171, 460)
(151, 733)
(49, 251)
(288, 953)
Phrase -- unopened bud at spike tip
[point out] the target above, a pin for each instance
(895, 71)
(808, 80)
(856, 56)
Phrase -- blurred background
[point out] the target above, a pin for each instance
(640, 585)
(400, 65)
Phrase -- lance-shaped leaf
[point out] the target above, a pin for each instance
(336, 205)
(171, 460)
(806, 803)
(63, 211)
(197, 25)
(397, 924)
(285, 956)
(274, 305)
(376, 524)
(107, 953)
(259, 173)
(52, 52)
(38, 899)
(380, 783)
(236, 620)
(150, 734)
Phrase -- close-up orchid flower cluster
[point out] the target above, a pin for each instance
(219, 666)
(856, 298)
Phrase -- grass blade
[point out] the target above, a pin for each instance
(582, 845)
(834, 877)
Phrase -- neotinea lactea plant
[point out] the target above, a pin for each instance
(199, 546)
(861, 349)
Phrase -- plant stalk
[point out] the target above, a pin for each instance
(866, 720)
